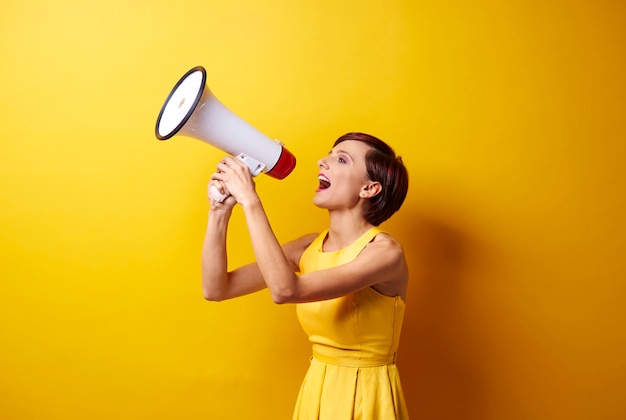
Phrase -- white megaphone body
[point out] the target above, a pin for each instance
(191, 110)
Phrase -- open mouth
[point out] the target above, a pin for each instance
(324, 182)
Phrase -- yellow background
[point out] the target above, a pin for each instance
(509, 115)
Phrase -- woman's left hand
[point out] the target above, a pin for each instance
(236, 177)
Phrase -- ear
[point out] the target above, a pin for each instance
(370, 189)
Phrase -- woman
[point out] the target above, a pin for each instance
(349, 282)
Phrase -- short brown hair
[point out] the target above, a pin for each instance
(385, 167)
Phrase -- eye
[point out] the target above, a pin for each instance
(341, 160)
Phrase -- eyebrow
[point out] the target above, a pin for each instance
(342, 151)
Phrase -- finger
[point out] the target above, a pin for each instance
(218, 176)
(222, 166)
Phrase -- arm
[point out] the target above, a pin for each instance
(381, 264)
(217, 282)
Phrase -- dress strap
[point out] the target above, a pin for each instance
(318, 242)
(354, 249)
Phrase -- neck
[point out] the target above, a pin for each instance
(344, 229)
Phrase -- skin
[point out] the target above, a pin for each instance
(381, 265)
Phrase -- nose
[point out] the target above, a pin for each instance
(322, 163)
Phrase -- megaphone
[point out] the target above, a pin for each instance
(192, 110)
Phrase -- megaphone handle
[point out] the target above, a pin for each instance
(216, 195)
(254, 165)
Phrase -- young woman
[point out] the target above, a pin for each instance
(349, 282)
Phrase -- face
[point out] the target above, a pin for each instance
(342, 176)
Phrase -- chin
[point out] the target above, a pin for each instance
(318, 202)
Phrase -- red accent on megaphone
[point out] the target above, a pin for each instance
(284, 166)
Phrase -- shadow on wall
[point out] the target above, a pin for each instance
(442, 354)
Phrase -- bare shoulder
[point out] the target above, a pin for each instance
(384, 253)
(386, 242)
(393, 274)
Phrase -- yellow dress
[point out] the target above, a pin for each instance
(353, 374)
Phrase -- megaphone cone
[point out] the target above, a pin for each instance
(192, 110)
